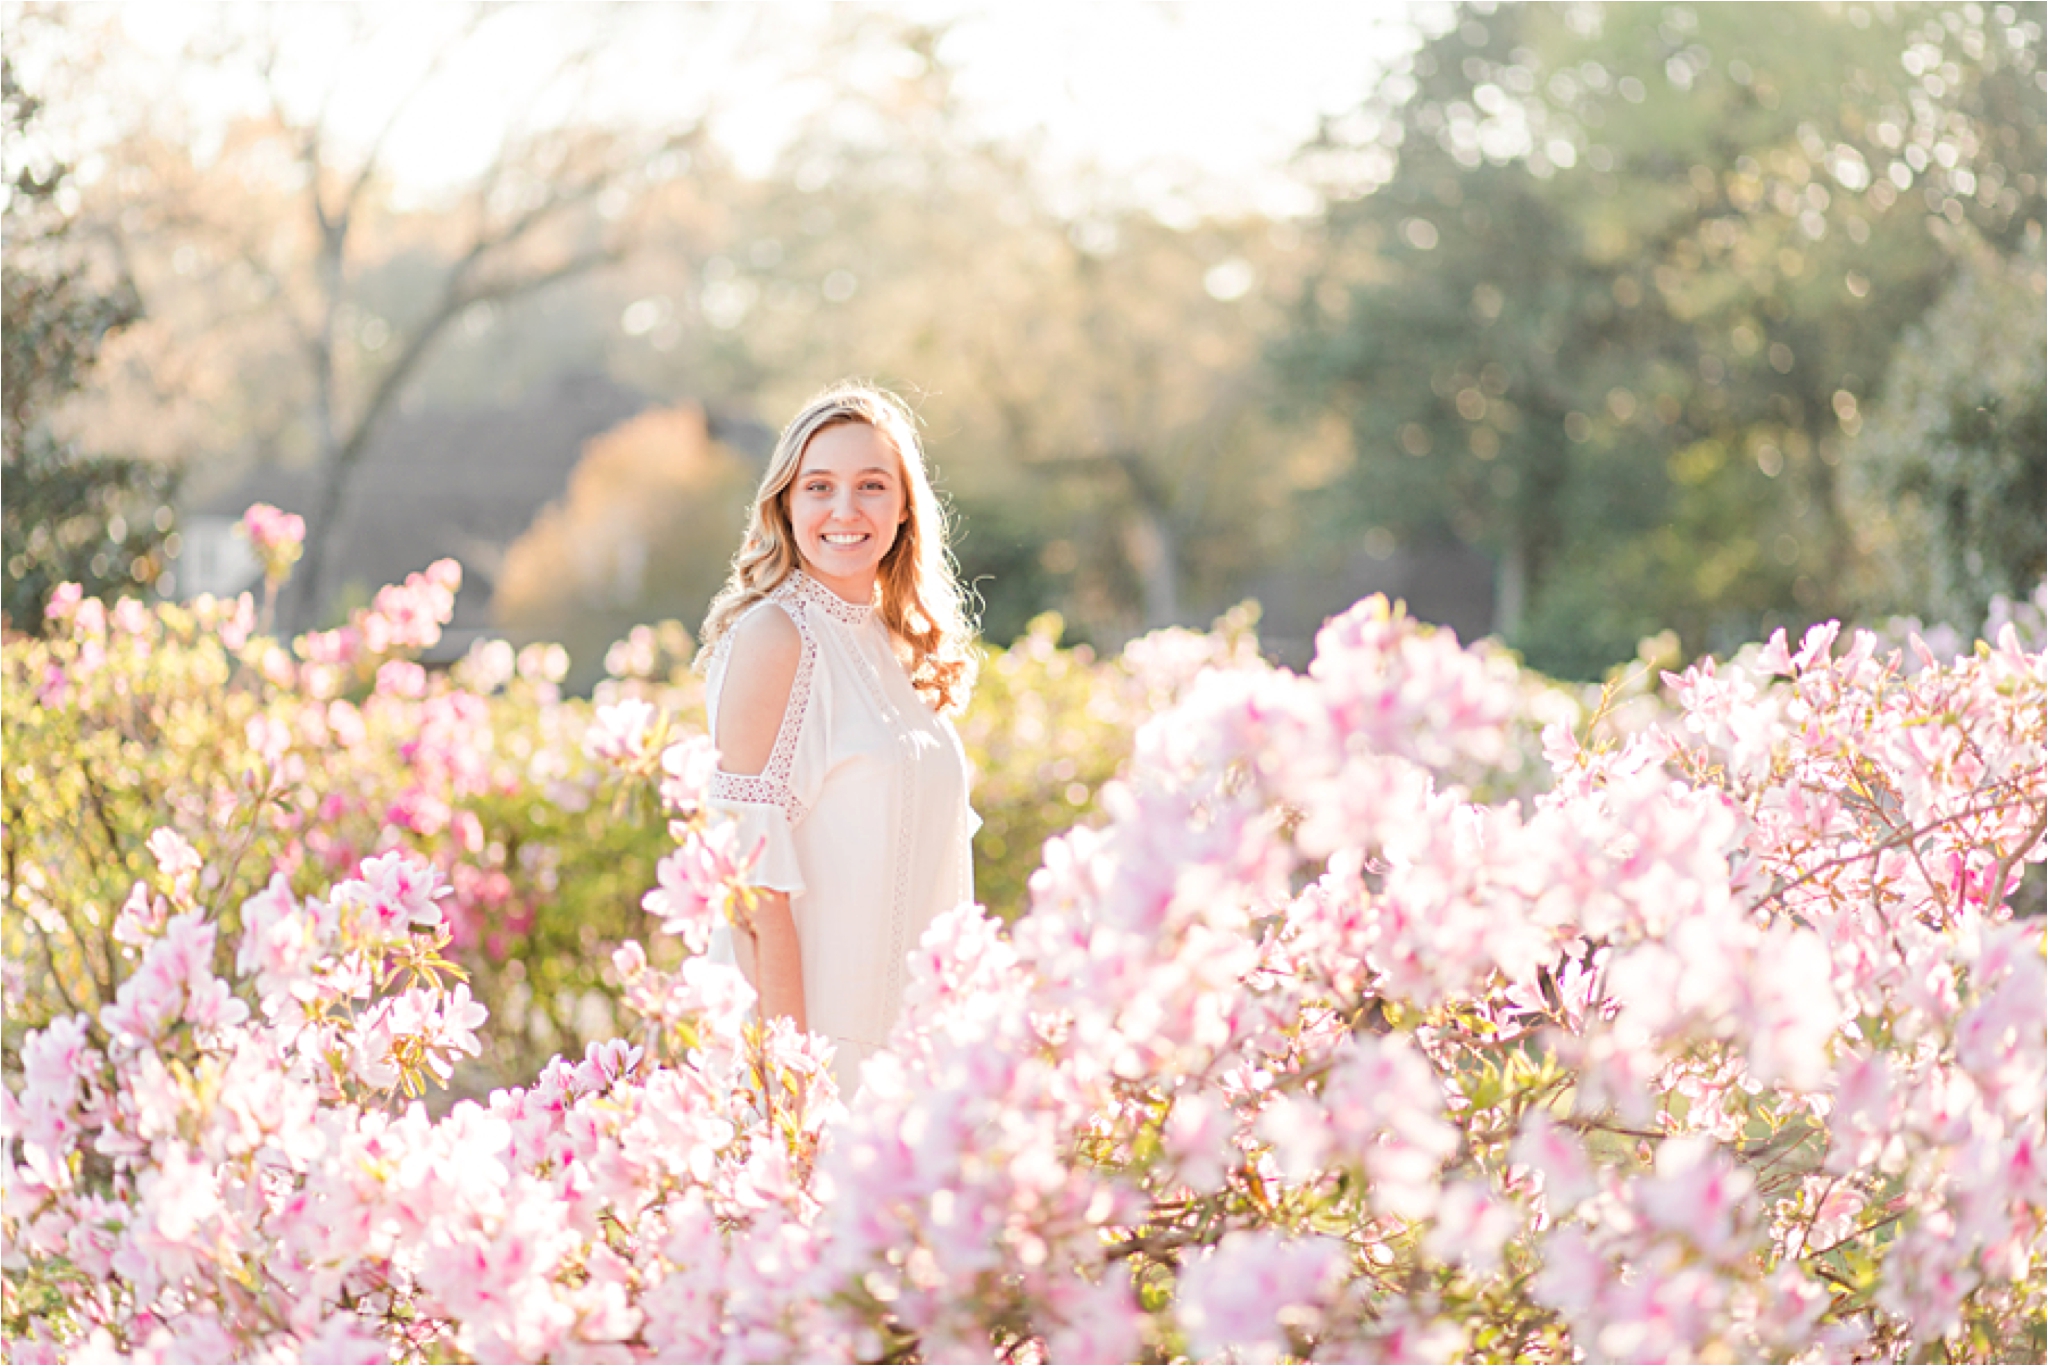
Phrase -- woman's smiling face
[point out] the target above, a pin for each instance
(845, 506)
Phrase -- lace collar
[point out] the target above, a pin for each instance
(804, 588)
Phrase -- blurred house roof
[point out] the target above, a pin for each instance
(464, 484)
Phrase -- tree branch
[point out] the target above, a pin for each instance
(1905, 838)
(373, 157)
(1996, 897)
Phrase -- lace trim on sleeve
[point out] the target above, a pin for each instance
(771, 786)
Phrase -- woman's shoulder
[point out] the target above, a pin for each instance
(766, 644)
(761, 681)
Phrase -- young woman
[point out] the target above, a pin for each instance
(835, 653)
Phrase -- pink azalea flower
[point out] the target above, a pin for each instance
(1699, 1193)
(687, 767)
(401, 678)
(63, 602)
(698, 883)
(1252, 1291)
(395, 893)
(1556, 1155)
(343, 1339)
(141, 918)
(619, 731)
(174, 857)
(268, 529)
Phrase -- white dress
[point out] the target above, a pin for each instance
(862, 814)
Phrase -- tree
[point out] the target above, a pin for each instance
(645, 532)
(94, 519)
(315, 296)
(1090, 376)
(534, 221)
(1949, 484)
(1609, 287)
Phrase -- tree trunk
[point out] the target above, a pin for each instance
(300, 610)
(1149, 545)
(1511, 588)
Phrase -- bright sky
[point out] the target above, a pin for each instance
(1189, 105)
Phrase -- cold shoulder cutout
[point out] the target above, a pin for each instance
(767, 650)
(766, 785)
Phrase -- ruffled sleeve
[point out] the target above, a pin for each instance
(769, 805)
(767, 827)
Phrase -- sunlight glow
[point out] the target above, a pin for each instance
(1184, 108)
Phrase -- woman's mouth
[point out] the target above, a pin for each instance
(847, 538)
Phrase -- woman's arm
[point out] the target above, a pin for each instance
(759, 674)
(771, 959)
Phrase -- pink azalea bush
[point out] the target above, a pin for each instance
(129, 724)
(542, 811)
(1726, 1044)
(1051, 726)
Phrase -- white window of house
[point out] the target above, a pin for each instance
(215, 559)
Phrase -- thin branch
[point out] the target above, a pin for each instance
(1996, 897)
(516, 143)
(1806, 1234)
(1920, 865)
(1872, 1227)
(366, 172)
(1597, 1125)
(452, 305)
(550, 206)
(309, 140)
(50, 963)
(1904, 838)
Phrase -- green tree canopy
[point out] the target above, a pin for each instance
(1949, 485)
(99, 520)
(1609, 288)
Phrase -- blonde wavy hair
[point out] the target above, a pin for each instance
(922, 603)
